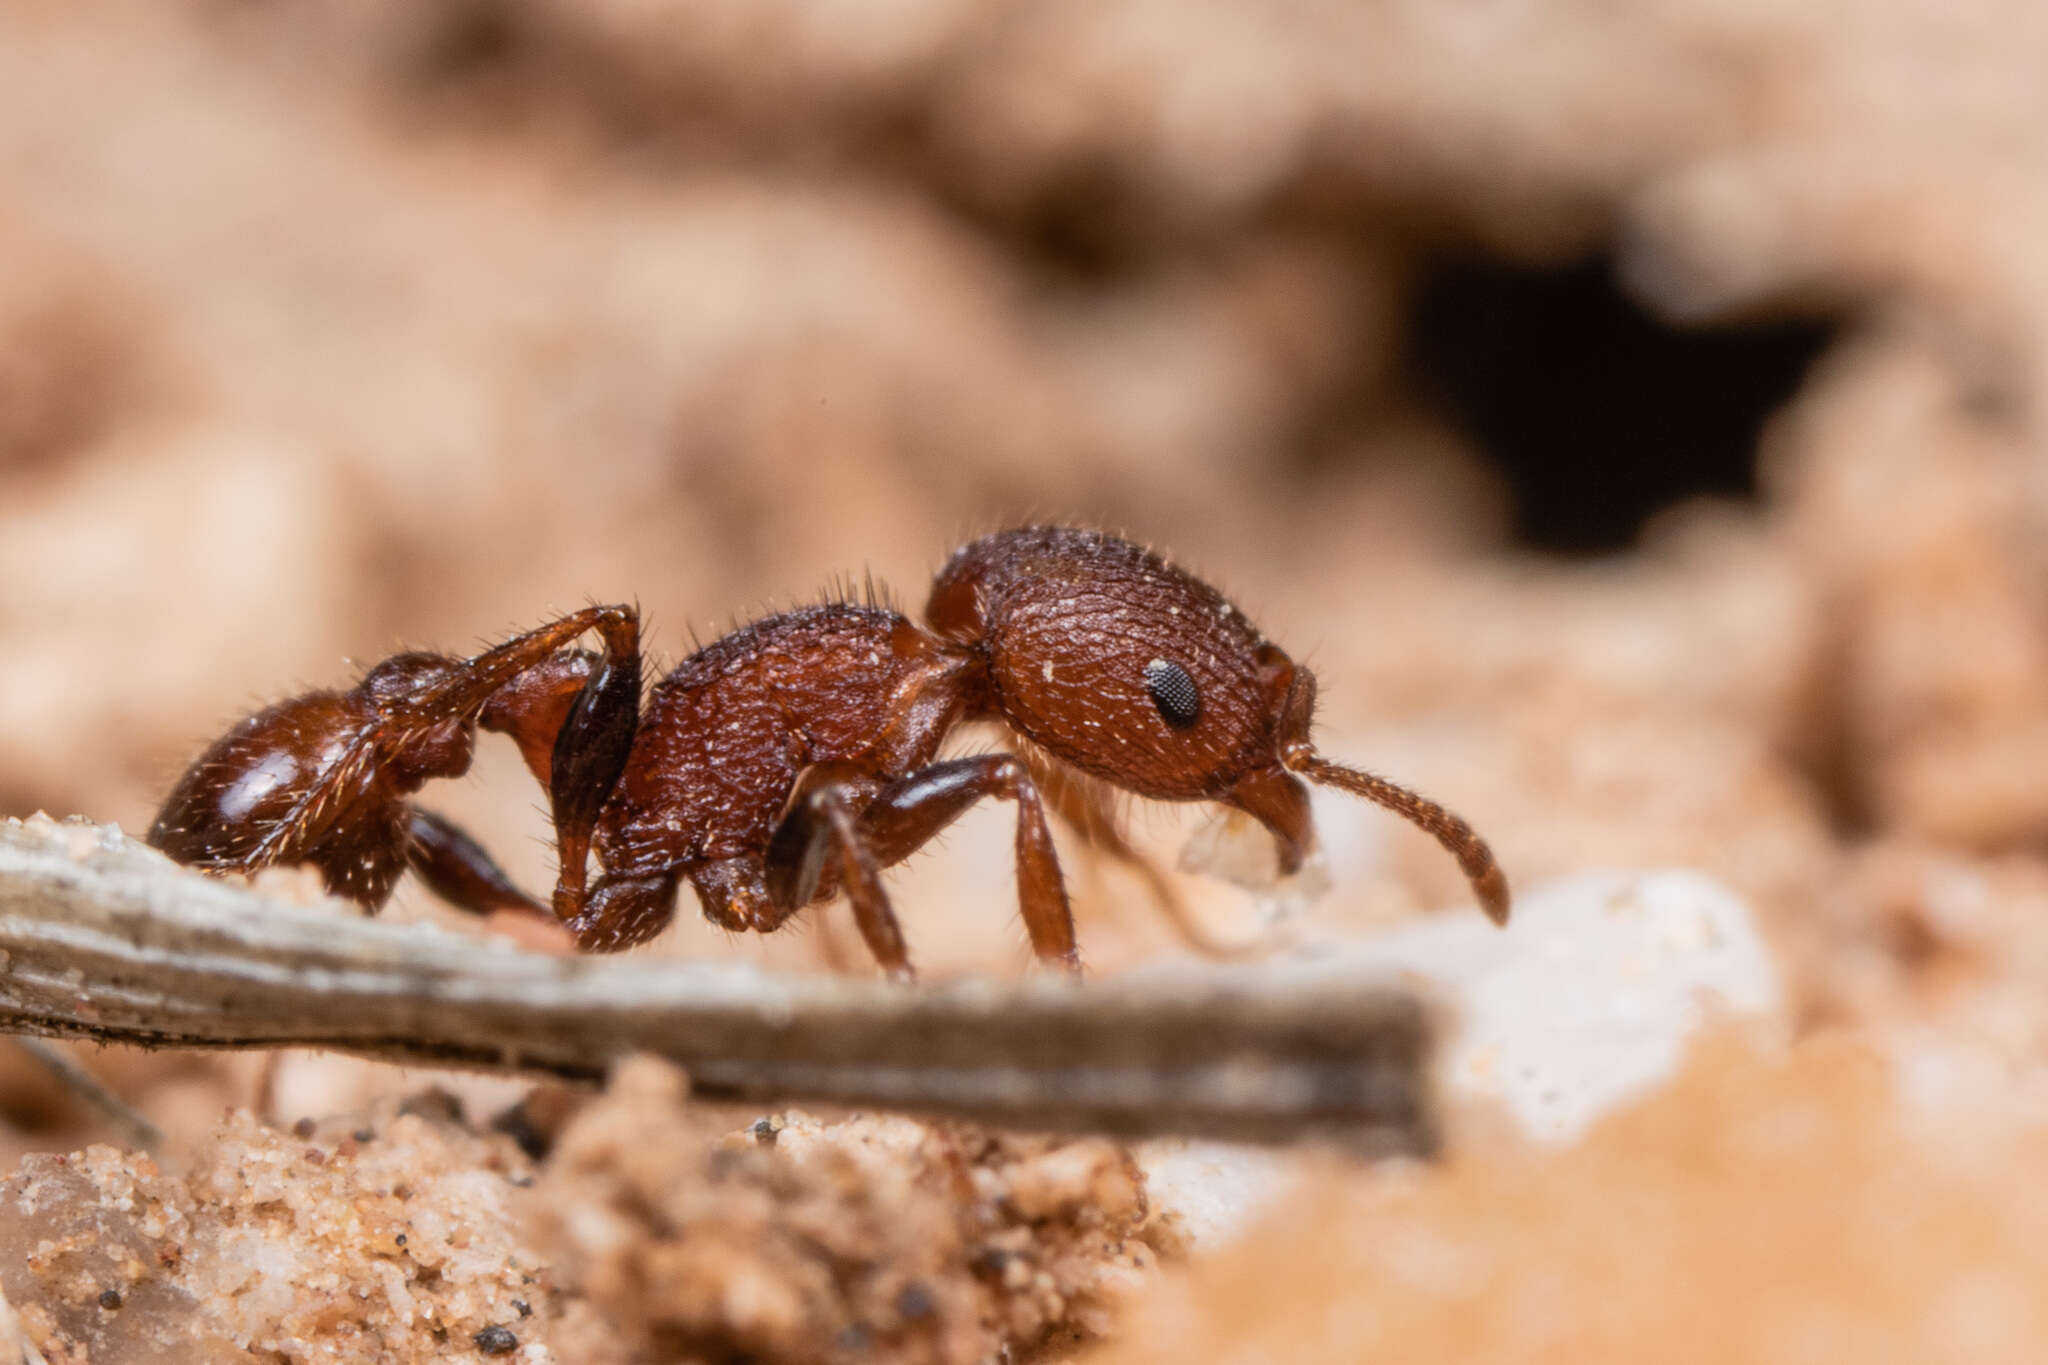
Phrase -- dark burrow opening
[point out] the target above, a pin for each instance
(1597, 414)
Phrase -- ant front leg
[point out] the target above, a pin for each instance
(1083, 804)
(906, 814)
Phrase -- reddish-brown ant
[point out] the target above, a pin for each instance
(798, 756)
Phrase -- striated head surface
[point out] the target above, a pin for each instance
(1111, 659)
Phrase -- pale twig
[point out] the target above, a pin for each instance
(102, 938)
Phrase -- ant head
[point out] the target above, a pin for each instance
(1280, 802)
(1112, 660)
(423, 734)
(1267, 791)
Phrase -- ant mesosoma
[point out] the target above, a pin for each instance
(797, 756)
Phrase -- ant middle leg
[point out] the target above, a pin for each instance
(821, 826)
(901, 817)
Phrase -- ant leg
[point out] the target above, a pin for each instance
(532, 707)
(459, 870)
(624, 911)
(489, 673)
(573, 717)
(911, 811)
(1083, 804)
(907, 813)
(821, 822)
(590, 754)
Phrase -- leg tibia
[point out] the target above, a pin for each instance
(820, 831)
(590, 753)
(459, 870)
(908, 813)
(573, 716)
(1084, 804)
(532, 707)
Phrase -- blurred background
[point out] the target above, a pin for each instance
(1633, 413)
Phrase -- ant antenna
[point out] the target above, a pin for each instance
(1489, 883)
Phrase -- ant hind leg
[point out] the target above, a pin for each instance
(574, 717)
(532, 708)
(459, 870)
(624, 911)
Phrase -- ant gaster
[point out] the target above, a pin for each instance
(797, 756)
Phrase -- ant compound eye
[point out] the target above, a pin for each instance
(1173, 692)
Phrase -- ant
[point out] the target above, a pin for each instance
(797, 756)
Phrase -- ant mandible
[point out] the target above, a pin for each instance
(797, 756)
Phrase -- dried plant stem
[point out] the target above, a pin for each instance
(117, 1111)
(102, 938)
